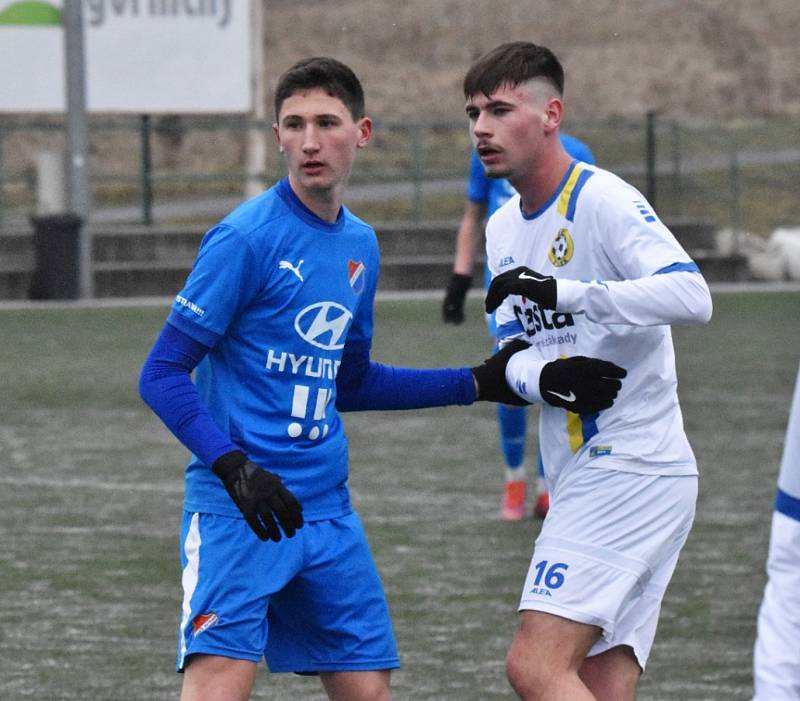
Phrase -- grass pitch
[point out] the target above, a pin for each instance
(91, 490)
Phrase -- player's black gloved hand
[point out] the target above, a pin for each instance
(454, 295)
(491, 376)
(260, 496)
(580, 384)
(538, 288)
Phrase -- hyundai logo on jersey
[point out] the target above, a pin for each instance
(323, 324)
(355, 273)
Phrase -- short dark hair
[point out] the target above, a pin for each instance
(333, 76)
(513, 63)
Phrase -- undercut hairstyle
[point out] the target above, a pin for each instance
(512, 64)
(333, 76)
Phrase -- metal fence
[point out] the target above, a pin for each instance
(145, 169)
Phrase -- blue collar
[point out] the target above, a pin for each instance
(288, 195)
(552, 198)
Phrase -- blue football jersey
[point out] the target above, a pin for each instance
(277, 293)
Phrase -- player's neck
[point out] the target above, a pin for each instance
(324, 202)
(539, 184)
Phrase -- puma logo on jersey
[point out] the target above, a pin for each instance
(286, 265)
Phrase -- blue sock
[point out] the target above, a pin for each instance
(513, 427)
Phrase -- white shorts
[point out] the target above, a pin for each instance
(607, 551)
(776, 659)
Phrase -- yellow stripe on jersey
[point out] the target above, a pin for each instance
(575, 431)
(580, 428)
(566, 193)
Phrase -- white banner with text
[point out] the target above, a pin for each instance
(141, 56)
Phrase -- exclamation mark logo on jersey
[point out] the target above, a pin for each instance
(300, 406)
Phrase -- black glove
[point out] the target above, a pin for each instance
(260, 496)
(454, 295)
(580, 384)
(538, 288)
(491, 376)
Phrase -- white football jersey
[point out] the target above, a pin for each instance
(776, 674)
(601, 233)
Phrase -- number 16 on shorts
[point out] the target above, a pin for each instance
(545, 577)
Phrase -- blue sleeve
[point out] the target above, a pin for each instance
(224, 279)
(362, 384)
(477, 184)
(166, 386)
(577, 149)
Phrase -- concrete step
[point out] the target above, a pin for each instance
(139, 280)
(17, 263)
(137, 260)
(694, 234)
(717, 267)
(145, 244)
(162, 243)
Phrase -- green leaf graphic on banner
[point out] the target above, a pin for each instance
(31, 12)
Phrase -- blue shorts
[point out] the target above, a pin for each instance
(312, 603)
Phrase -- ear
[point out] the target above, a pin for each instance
(364, 131)
(277, 136)
(553, 112)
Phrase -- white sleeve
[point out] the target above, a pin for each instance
(680, 297)
(522, 375)
(508, 326)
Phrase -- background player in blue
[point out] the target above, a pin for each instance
(276, 320)
(484, 197)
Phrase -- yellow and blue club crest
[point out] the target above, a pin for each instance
(561, 249)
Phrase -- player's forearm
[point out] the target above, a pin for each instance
(166, 386)
(668, 298)
(522, 375)
(464, 261)
(469, 231)
(363, 385)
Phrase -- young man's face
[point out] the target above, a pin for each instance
(319, 137)
(507, 128)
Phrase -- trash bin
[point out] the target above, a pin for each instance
(56, 246)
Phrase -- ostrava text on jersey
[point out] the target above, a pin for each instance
(289, 292)
(572, 236)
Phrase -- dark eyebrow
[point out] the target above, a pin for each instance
(488, 106)
(498, 103)
(325, 115)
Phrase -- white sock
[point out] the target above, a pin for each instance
(541, 486)
(515, 474)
